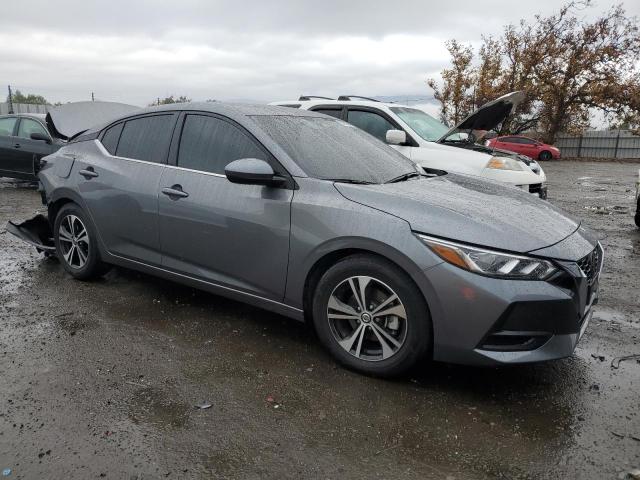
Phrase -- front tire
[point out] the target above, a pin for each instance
(76, 243)
(371, 317)
(544, 155)
(637, 217)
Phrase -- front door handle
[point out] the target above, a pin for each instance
(17, 145)
(175, 192)
(88, 173)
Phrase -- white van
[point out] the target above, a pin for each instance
(432, 145)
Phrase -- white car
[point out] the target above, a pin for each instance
(432, 145)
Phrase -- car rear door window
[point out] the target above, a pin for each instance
(6, 126)
(146, 138)
(370, 122)
(209, 144)
(29, 126)
(332, 112)
(111, 137)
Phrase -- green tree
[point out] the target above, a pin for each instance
(170, 99)
(19, 97)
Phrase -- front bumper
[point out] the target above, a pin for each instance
(479, 320)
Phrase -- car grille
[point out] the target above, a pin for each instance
(590, 265)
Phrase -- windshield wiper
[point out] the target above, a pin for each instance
(350, 180)
(404, 176)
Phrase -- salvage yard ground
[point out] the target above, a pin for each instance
(102, 379)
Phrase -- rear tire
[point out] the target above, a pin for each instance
(76, 243)
(545, 155)
(371, 317)
(637, 218)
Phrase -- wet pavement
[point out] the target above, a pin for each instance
(102, 379)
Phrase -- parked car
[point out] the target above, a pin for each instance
(24, 140)
(305, 215)
(27, 137)
(525, 146)
(433, 145)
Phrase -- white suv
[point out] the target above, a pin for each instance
(432, 145)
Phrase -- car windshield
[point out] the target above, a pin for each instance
(331, 149)
(422, 123)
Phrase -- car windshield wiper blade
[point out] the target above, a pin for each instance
(404, 176)
(350, 180)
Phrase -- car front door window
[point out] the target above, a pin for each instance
(29, 126)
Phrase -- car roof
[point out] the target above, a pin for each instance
(235, 111)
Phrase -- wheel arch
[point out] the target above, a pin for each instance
(59, 198)
(332, 253)
(543, 151)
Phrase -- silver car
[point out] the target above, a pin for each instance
(310, 217)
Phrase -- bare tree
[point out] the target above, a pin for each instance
(567, 65)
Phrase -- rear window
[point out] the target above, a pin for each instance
(111, 137)
(332, 149)
(332, 112)
(146, 138)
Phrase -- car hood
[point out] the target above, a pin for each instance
(70, 119)
(470, 210)
(490, 115)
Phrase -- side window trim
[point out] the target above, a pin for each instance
(411, 141)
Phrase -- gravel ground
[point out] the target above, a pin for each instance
(102, 379)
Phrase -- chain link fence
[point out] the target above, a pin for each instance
(600, 144)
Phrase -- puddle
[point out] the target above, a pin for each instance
(607, 210)
(150, 405)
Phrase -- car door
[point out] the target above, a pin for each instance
(120, 184)
(510, 143)
(31, 151)
(376, 123)
(529, 147)
(236, 236)
(9, 155)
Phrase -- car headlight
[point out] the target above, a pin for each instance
(489, 262)
(505, 163)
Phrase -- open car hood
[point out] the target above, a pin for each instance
(70, 119)
(488, 116)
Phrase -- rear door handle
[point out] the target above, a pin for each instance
(17, 145)
(88, 173)
(175, 192)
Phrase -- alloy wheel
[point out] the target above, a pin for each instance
(367, 318)
(74, 241)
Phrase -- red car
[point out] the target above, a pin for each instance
(525, 146)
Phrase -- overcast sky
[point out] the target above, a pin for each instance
(135, 51)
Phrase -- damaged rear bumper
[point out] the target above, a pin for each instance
(35, 231)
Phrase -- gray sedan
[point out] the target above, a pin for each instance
(305, 215)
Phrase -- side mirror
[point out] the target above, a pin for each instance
(252, 171)
(40, 136)
(396, 137)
